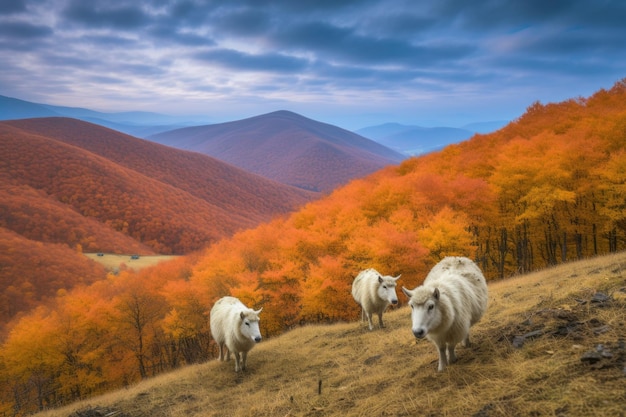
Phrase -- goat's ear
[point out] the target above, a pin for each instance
(243, 316)
(436, 293)
(380, 279)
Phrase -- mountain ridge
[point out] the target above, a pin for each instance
(121, 169)
(68, 186)
(265, 144)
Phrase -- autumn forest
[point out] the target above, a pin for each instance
(548, 188)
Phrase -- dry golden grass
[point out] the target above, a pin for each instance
(385, 372)
(112, 261)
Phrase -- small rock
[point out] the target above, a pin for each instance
(372, 359)
(533, 334)
(601, 329)
(600, 298)
(518, 341)
(564, 330)
(591, 357)
(607, 354)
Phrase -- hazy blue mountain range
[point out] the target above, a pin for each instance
(417, 140)
(408, 140)
(138, 124)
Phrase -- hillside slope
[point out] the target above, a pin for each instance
(288, 148)
(33, 273)
(87, 188)
(171, 200)
(570, 361)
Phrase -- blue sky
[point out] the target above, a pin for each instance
(352, 63)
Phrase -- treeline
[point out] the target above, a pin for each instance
(547, 188)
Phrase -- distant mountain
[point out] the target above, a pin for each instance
(138, 124)
(12, 108)
(486, 127)
(416, 140)
(167, 200)
(288, 148)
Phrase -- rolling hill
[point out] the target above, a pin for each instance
(287, 148)
(88, 188)
(171, 200)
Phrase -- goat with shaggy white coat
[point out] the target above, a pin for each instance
(236, 327)
(452, 298)
(374, 292)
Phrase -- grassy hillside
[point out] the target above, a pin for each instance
(568, 314)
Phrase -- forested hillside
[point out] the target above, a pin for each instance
(124, 176)
(91, 189)
(31, 273)
(288, 148)
(547, 188)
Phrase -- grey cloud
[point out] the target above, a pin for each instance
(307, 6)
(23, 30)
(400, 24)
(12, 6)
(242, 22)
(274, 62)
(488, 16)
(93, 14)
(103, 79)
(380, 49)
(164, 34)
(190, 13)
(346, 45)
(108, 41)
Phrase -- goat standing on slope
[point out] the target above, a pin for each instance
(374, 292)
(236, 327)
(452, 298)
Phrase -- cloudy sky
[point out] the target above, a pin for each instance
(353, 63)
